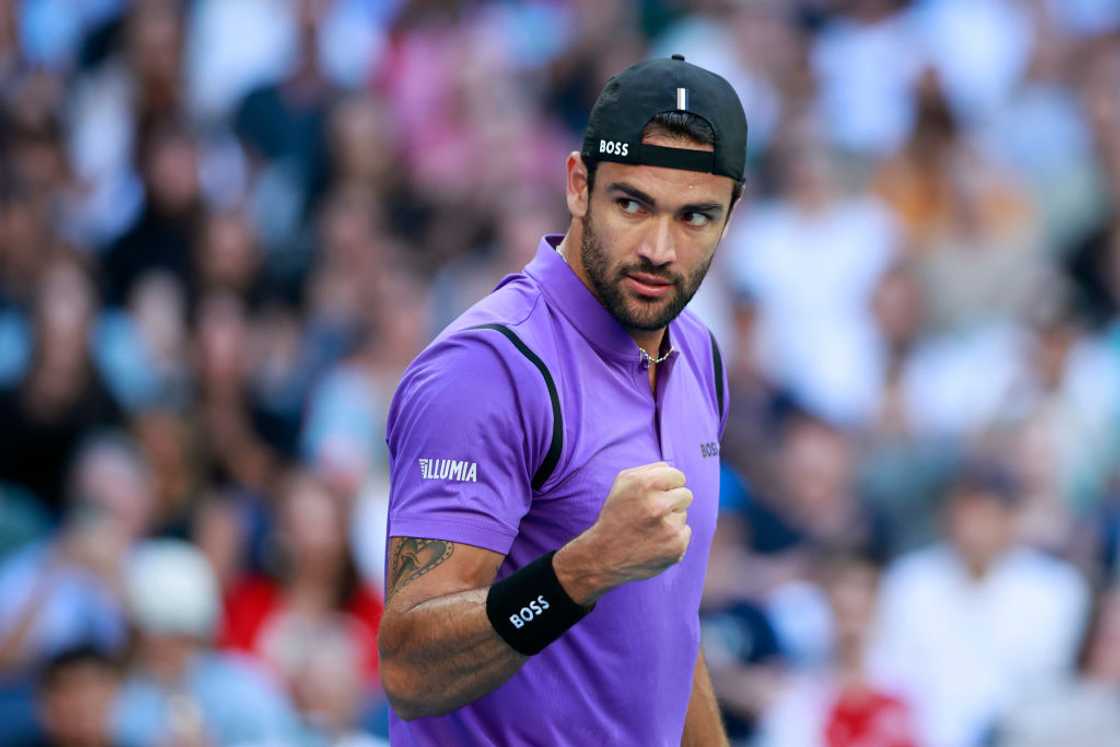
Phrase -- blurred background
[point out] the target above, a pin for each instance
(226, 226)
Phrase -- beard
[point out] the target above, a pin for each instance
(634, 311)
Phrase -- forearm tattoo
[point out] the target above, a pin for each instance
(413, 557)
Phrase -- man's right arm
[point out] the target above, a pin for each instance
(439, 650)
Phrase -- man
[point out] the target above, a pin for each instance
(76, 691)
(554, 455)
(968, 625)
(179, 690)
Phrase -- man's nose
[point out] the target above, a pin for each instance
(657, 246)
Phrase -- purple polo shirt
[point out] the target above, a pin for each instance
(468, 427)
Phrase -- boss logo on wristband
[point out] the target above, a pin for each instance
(527, 614)
(530, 609)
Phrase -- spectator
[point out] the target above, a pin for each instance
(980, 48)
(227, 258)
(951, 631)
(66, 590)
(25, 232)
(812, 261)
(162, 235)
(1042, 135)
(328, 690)
(758, 401)
(76, 693)
(867, 62)
(842, 704)
(228, 416)
(987, 264)
(61, 396)
(164, 437)
(178, 689)
(1080, 710)
(142, 348)
(285, 125)
(915, 182)
(813, 505)
(745, 663)
(316, 589)
(131, 89)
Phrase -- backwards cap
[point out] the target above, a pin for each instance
(640, 92)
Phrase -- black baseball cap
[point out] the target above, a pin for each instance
(640, 92)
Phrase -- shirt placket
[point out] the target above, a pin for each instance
(657, 399)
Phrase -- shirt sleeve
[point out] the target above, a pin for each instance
(465, 434)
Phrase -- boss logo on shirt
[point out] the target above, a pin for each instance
(448, 469)
(709, 449)
(614, 147)
(527, 614)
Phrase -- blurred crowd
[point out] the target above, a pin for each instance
(226, 226)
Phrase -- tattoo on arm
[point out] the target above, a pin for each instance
(413, 557)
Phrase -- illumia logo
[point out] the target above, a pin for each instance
(614, 148)
(448, 469)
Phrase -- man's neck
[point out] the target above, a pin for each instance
(980, 567)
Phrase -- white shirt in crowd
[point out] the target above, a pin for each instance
(867, 74)
(961, 650)
(813, 276)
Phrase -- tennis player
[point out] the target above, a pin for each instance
(555, 455)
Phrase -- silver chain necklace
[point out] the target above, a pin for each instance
(648, 360)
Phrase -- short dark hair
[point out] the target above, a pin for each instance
(676, 124)
(82, 654)
(976, 476)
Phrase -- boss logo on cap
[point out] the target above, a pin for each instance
(614, 148)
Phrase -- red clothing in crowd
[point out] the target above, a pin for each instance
(869, 719)
(251, 603)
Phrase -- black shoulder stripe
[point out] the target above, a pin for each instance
(545, 470)
(717, 365)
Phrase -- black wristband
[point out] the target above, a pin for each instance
(529, 609)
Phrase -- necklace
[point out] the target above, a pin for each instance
(648, 360)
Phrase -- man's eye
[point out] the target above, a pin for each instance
(698, 219)
(630, 207)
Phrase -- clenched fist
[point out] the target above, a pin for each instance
(642, 529)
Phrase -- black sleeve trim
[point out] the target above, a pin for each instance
(553, 456)
(717, 365)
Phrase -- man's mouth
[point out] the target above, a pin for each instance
(648, 285)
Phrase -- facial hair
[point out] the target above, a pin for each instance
(630, 311)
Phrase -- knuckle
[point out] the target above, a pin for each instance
(652, 510)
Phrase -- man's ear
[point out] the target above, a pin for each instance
(578, 194)
(730, 214)
(727, 223)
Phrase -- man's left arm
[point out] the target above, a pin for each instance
(703, 726)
